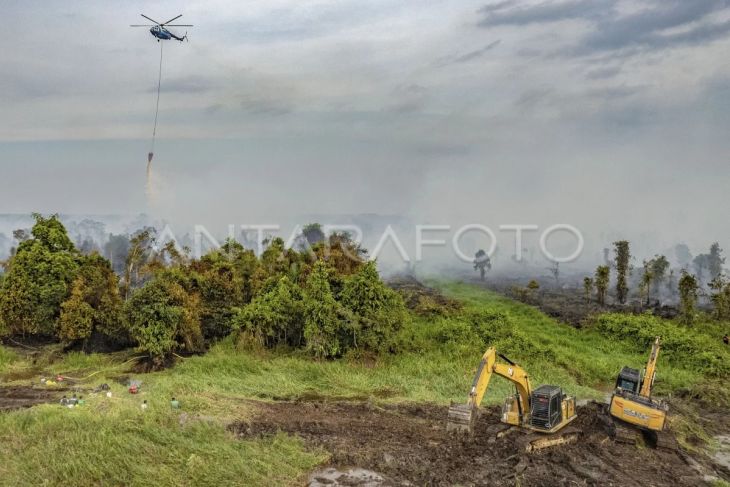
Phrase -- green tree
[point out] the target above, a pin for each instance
(602, 279)
(243, 260)
(274, 318)
(622, 258)
(221, 291)
(588, 288)
(38, 279)
(380, 311)
(647, 277)
(164, 318)
(342, 253)
(77, 316)
(688, 293)
(482, 263)
(313, 233)
(721, 297)
(671, 284)
(97, 286)
(139, 255)
(323, 324)
(659, 267)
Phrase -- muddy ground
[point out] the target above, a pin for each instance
(408, 445)
(19, 397)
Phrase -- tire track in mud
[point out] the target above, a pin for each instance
(408, 445)
(19, 397)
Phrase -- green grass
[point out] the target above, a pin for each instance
(7, 359)
(589, 358)
(112, 441)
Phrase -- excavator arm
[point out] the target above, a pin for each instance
(461, 415)
(650, 372)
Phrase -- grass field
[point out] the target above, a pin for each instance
(111, 440)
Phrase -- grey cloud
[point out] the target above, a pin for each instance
(491, 7)
(410, 98)
(468, 56)
(615, 92)
(411, 89)
(533, 97)
(603, 72)
(214, 108)
(406, 106)
(612, 31)
(550, 11)
(265, 106)
(645, 28)
(550, 97)
(189, 84)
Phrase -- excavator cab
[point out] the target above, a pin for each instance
(629, 380)
(546, 411)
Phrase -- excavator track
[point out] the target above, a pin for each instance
(625, 434)
(663, 440)
(533, 442)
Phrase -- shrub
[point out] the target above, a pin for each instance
(680, 345)
(380, 310)
(221, 291)
(275, 317)
(164, 318)
(77, 316)
(721, 297)
(323, 325)
(100, 291)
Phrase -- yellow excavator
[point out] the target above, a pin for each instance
(545, 410)
(632, 403)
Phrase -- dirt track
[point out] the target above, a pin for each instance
(25, 397)
(408, 445)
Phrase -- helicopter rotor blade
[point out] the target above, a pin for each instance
(174, 18)
(143, 25)
(153, 20)
(177, 25)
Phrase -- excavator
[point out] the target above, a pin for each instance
(632, 405)
(542, 412)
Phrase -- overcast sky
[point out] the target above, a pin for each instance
(610, 115)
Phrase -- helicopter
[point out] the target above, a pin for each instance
(159, 29)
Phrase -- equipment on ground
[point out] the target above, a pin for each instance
(545, 410)
(632, 403)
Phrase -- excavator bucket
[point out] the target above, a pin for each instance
(461, 418)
